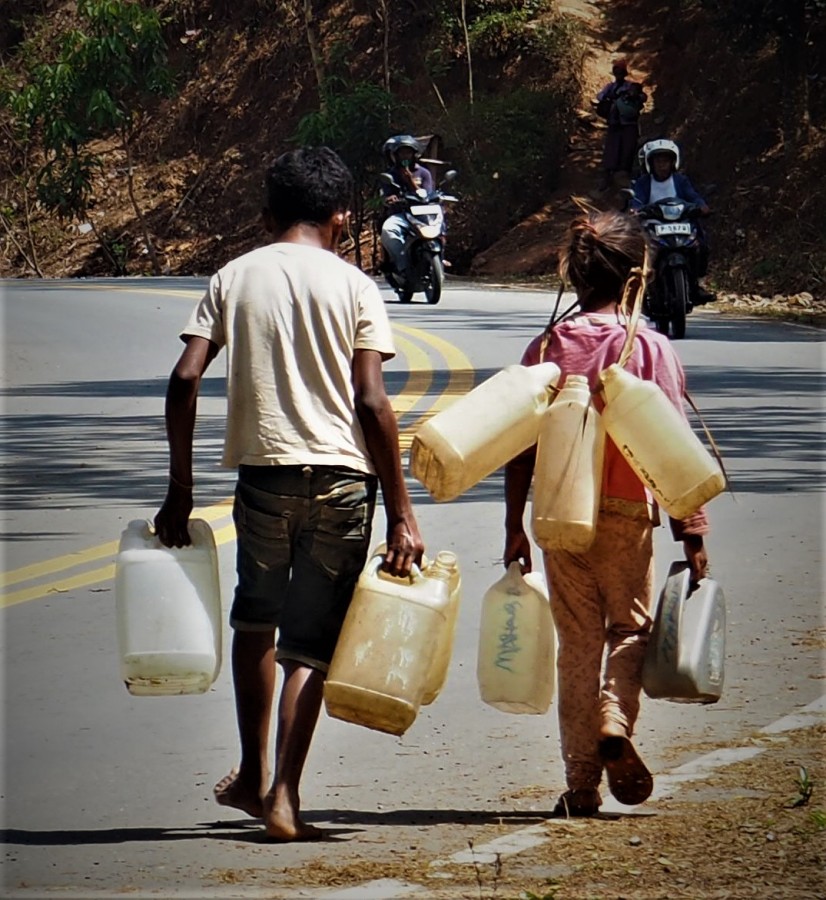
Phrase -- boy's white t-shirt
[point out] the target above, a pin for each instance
(662, 190)
(291, 317)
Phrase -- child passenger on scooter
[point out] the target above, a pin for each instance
(602, 599)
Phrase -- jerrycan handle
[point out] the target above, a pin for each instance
(514, 580)
(373, 570)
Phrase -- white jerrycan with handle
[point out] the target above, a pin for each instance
(447, 562)
(483, 430)
(168, 605)
(568, 471)
(517, 644)
(685, 656)
(658, 443)
(383, 657)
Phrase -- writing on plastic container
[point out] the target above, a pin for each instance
(508, 638)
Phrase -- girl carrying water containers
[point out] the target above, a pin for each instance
(601, 597)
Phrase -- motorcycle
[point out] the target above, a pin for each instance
(424, 241)
(672, 293)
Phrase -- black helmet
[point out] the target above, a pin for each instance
(394, 144)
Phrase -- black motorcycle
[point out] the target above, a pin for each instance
(673, 292)
(424, 241)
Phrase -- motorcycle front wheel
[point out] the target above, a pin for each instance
(678, 302)
(433, 289)
(404, 295)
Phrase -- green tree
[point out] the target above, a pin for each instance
(96, 84)
(353, 119)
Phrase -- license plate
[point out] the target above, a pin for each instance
(429, 209)
(673, 228)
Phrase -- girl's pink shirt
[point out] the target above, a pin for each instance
(586, 345)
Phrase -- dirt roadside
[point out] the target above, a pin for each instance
(665, 62)
(755, 828)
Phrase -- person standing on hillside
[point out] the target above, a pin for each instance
(601, 599)
(620, 103)
(311, 431)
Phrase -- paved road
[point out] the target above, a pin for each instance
(106, 794)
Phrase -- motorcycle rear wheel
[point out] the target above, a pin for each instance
(433, 289)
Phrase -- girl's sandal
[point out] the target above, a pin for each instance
(629, 780)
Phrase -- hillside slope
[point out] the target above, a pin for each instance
(768, 234)
(247, 81)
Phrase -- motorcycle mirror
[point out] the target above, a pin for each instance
(387, 178)
(450, 175)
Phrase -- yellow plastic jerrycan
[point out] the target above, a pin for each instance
(659, 444)
(568, 472)
(449, 563)
(517, 644)
(168, 606)
(383, 657)
(483, 430)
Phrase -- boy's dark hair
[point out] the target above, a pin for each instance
(307, 185)
(603, 248)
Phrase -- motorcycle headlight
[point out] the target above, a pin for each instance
(672, 211)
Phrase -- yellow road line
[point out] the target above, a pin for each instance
(73, 560)
(86, 579)
(415, 388)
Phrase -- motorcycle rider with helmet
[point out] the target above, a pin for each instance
(662, 180)
(403, 153)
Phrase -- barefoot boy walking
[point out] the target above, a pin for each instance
(311, 431)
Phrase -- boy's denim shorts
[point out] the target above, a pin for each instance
(303, 536)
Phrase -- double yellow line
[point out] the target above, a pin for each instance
(419, 381)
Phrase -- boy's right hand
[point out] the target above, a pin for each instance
(173, 517)
(404, 548)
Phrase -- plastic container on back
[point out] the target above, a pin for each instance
(168, 605)
(568, 471)
(659, 444)
(379, 671)
(447, 562)
(483, 430)
(517, 644)
(685, 657)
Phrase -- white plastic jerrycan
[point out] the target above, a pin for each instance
(685, 656)
(383, 657)
(483, 430)
(517, 644)
(168, 603)
(659, 444)
(568, 472)
(449, 563)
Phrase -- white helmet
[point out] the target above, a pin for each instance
(660, 146)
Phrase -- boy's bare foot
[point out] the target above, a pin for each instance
(283, 824)
(230, 791)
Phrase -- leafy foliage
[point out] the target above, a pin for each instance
(509, 149)
(749, 21)
(95, 84)
(354, 119)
